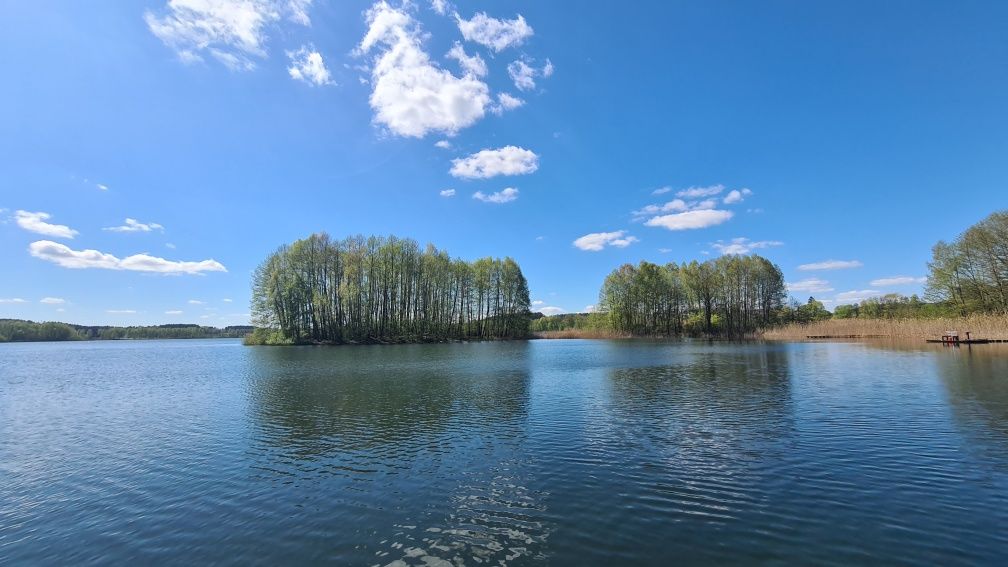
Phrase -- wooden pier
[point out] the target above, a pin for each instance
(953, 338)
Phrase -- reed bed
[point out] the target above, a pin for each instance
(991, 326)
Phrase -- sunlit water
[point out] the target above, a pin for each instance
(549, 452)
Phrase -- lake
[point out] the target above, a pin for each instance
(542, 452)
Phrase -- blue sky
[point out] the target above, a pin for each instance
(845, 138)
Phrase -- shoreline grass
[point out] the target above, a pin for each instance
(987, 326)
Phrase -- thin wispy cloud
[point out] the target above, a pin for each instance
(234, 32)
(598, 241)
(830, 265)
(500, 197)
(743, 245)
(810, 285)
(447, 193)
(66, 257)
(700, 192)
(736, 196)
(133, 225)
(690, 220)
(893, 281)
(36, 222)
(469, 64)
(12, 300)
(509, 160)
(857, 296)
(493, 33)
(52, 300)
(307, 65)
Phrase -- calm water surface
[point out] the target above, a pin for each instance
(543, 452)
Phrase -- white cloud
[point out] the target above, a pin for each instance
(35, 222)
(440, 6)
(522, 74)
(664, 250)
(443, 144)
(506, 102)
(810, 285)
(447, 193)
(675, 205)
(736, 196)
(856, 296)
(227, 300)
(132, 225)
(701, 218)
(597, 241)
(743, 245)
(52, 300)
(509, 160)
(551, 310)
(831, 265)
(83, 259)
(495, 34)
(231, 31)
(661, 190)
(102, 187)
(897, 281)
(121, 311)
(547, 70)
(173, 312)
(589, 308)
(307, 65)
(410, 95)
(169, 245)
(505, 196)
(195, 302)
(538, 302)
(12, 300)
(700, 192)
(470, 64)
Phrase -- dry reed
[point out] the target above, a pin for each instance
(994, 326)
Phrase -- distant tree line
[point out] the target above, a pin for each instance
(384, 289)
(18, 330)
(732, 295)
(971, 273)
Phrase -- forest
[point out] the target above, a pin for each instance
(378, 289)
(970, 274)
(19, 330)
(731, 296)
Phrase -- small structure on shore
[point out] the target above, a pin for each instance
(953, 338)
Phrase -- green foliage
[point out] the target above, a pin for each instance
(384, 289)
(570, 321)
(732, 295)
(971, 273)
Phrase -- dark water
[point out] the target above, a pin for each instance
(548, 452)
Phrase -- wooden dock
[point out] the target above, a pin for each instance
(953, 338)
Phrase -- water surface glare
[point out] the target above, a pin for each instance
(543, 452)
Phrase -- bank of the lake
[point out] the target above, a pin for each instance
(989, 326)
(520, 452)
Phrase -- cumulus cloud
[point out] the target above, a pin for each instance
(35, 222)
(440, 6)
(307, 65)
(506, 102)
(736, 196)
(538, 302)
(133, 225)
(597, 241)
(700, 192)
(65, 257)
(522, 74)
(743, 245)
(688, 220)
(509, 160)
(505, 196)
(830, 265)
(52, 300)
(470, 64)
(12, 300)
(447, 193)
(810, 285)
(551, 310)
(411, 95)
(492, 33)
(231, 31)
(897, 281)
(443, 144)
(661, 190)
(856, 296)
